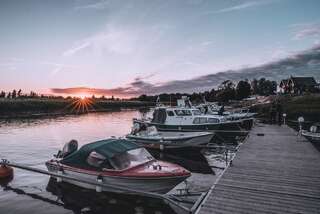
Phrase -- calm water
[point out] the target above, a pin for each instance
(33, 142)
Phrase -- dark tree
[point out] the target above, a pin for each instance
(2, 94)
(243, 89)
(33, 94)
(9, 95)
(227, 84)
(254, 86)
(142, 97)
(226, 91)
(14, 94)
(19, 93)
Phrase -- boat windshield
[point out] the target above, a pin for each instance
(131, 159)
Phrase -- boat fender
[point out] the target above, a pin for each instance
(5, 171)
(59, 179)
(313, 129)
(99, 180)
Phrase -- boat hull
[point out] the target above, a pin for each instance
(311, 136)
(226, 126)
(172, 143)
(145, 184)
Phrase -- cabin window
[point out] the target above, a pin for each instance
(95, 159)
(170, 113)
(196, 120)
(203, 120)
(213, 120)
(131, 159)
(181, 112)
(200, 120)
(196, 112)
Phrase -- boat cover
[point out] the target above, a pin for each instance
(108, 148)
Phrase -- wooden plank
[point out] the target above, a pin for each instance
(275, 173)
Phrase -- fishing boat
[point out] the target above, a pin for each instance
(120, 164)
(313, 134)
(150, 137)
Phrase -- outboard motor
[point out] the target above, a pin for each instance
(68, 149)
(135, 128)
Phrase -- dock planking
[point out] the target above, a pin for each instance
(277, 172)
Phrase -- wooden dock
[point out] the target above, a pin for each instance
(275, 173)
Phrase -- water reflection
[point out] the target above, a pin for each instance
(191, 159)
(34, 141)
(81, 200)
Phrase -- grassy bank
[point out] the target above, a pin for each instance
(307, 106)
(32, 107)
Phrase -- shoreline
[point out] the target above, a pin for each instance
(42, 108)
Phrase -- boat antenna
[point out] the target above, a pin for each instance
(158, 101)
(204, 99)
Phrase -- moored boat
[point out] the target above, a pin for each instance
(118, 163)
(187, 119)
(313, 134)
(151, 138)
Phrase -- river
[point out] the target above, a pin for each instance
(34, 141)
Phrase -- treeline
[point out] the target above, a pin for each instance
(15, 94)
(226, 91)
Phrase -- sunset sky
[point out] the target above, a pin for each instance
(125, 48)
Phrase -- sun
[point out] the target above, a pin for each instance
(82, 96)
(81, 104)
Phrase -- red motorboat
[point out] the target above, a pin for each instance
(119, 163)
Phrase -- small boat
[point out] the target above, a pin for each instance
(243, 115)
(117, 163)
(313, 134)
(151, 138)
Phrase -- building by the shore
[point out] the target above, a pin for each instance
(298, 85)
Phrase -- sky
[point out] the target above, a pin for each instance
(126, 48)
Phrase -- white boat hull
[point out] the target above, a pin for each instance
(186, 139)
(157, 185)
(312, 136)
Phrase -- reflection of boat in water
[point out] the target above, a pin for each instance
(81, 200)
(5, 181)
(118, 163)
(313, 134)
(151, 138)
(193, 160)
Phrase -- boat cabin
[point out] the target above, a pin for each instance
(185, 116)
(110, 154)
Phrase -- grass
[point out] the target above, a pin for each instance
(43, 106)
(307, 106)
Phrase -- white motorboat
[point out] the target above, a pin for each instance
(151, 138)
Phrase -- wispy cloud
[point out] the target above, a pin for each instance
(242, 6)
(306, 30)
(303, 63)
(115, 39)
(99, 5)
(55, 68)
